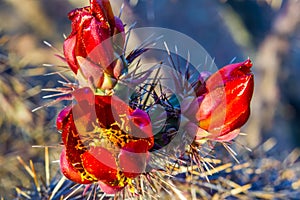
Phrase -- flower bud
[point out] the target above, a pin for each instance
(225, 106)
(97, 36)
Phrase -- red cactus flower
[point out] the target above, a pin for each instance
(105, 141)
(97, 36)
(225, 105)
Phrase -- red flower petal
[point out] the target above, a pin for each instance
(97, 47)
(100, 163)
(142, 127)
(73, 144)
(84, 114)
(137, 146)
(228, 73)
(133, 157)
(72, 45)
(61, 119)
(70, 171)
(132, 164)
(68, 47)
(102, 11)
(109, 189)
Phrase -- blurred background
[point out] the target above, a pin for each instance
(267, 31)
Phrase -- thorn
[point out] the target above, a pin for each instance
(47, 43)
(48, 65)
(232, 60)
(121, 9)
